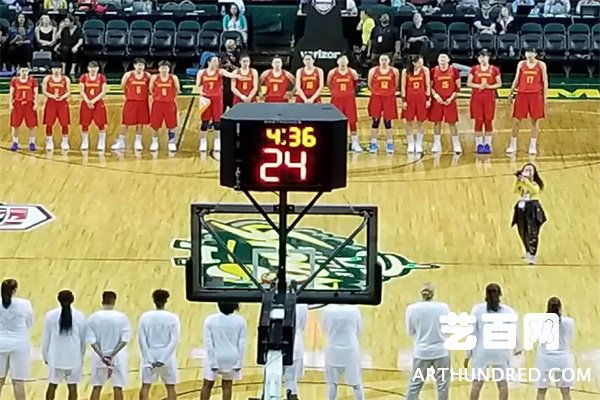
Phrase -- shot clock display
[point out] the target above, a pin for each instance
(294, 147)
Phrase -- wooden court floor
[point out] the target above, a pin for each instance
(116, 216)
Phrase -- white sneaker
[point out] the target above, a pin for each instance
(85, 145)
(101, 145)
(64, 145)
(49, 144)
(356, 147)
(419, 148)
(137, 146)
(531, 259)
(172, 147)
(118, 145)
(203, 145)
(456, 148)
(532, 149)
(437, 147)
(217, 144)
(511, 149)
(154, 145)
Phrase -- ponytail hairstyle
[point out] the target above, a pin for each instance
(65, 323)
(7, 290)
(493, 292)
(554, 306)
(412, 60)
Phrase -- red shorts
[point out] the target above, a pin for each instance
(97, 115)
(56, 111)
(276, 99)
(163, 112)
(299, 100)
(23, 112)
(383, 106)
(135, 112)
(416, 108)
(214, 111)
(347, 106)
(441, 113)
(483, 108)
(529, 105)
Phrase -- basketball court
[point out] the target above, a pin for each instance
(121, 222)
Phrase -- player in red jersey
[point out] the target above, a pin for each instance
(531, 88)
(136, 110)
(277, 82)
(342, 83)
(92, 87)
(309, 81)
(483, 80)
(445, 85)
(210, 83)
(22, 106)
(383, 82)
(164, 87)
(57, 89)
(415, 88)
(245, 84)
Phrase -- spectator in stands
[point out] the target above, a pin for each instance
(467, 5)
(225, 5)
(385, 39)
(55, 5)
(144, 6)
(70, 44)
(517, 3)
(504, 21)
(582, 3)
(3, 47)
(20, 40)
(365, 26)
(404, 6)
(45, 34)
(234, 21)
(483, 21)
(418, 37)
(229, 61)
(557, 7)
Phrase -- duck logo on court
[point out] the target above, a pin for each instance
(23, 217)
(255, 243)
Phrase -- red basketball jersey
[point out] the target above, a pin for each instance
(530, 78)
(23, 92)
(415, 83)
(277, 86)
(444, 82)
(244, 83)
(92, 87)
(57, 88)
(342, 84)
(309, 82)
(137, 89)
(164, 91)
(383, 83)
(211, 84)
(481, 75)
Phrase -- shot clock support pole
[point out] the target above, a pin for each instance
(283, 232)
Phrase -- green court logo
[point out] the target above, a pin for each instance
(255, 243)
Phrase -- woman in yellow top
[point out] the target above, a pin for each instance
(55, 5)
(528, 213)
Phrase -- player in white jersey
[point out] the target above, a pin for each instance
(108, 332)
(423, 325)
(16, 318)
(342, 325)
(63, 345)
(158, 336)
(552, 363)
(296, 371)
(498, 359)
(225, 336)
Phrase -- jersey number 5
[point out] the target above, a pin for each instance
(445, 85)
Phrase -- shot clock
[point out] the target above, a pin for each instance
(292, 147)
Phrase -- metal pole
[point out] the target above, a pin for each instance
(281, 273)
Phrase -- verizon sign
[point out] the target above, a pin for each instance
(23, 217)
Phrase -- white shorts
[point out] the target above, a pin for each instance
(167, 373)
(491, 372)
(118, 378)
(352, 375)
(70, 376)
(552, 371)
(294, 371)
(16, 364)
(211, 375)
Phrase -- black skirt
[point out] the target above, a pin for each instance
(532, 212)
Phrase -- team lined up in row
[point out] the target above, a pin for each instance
(425, 95)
